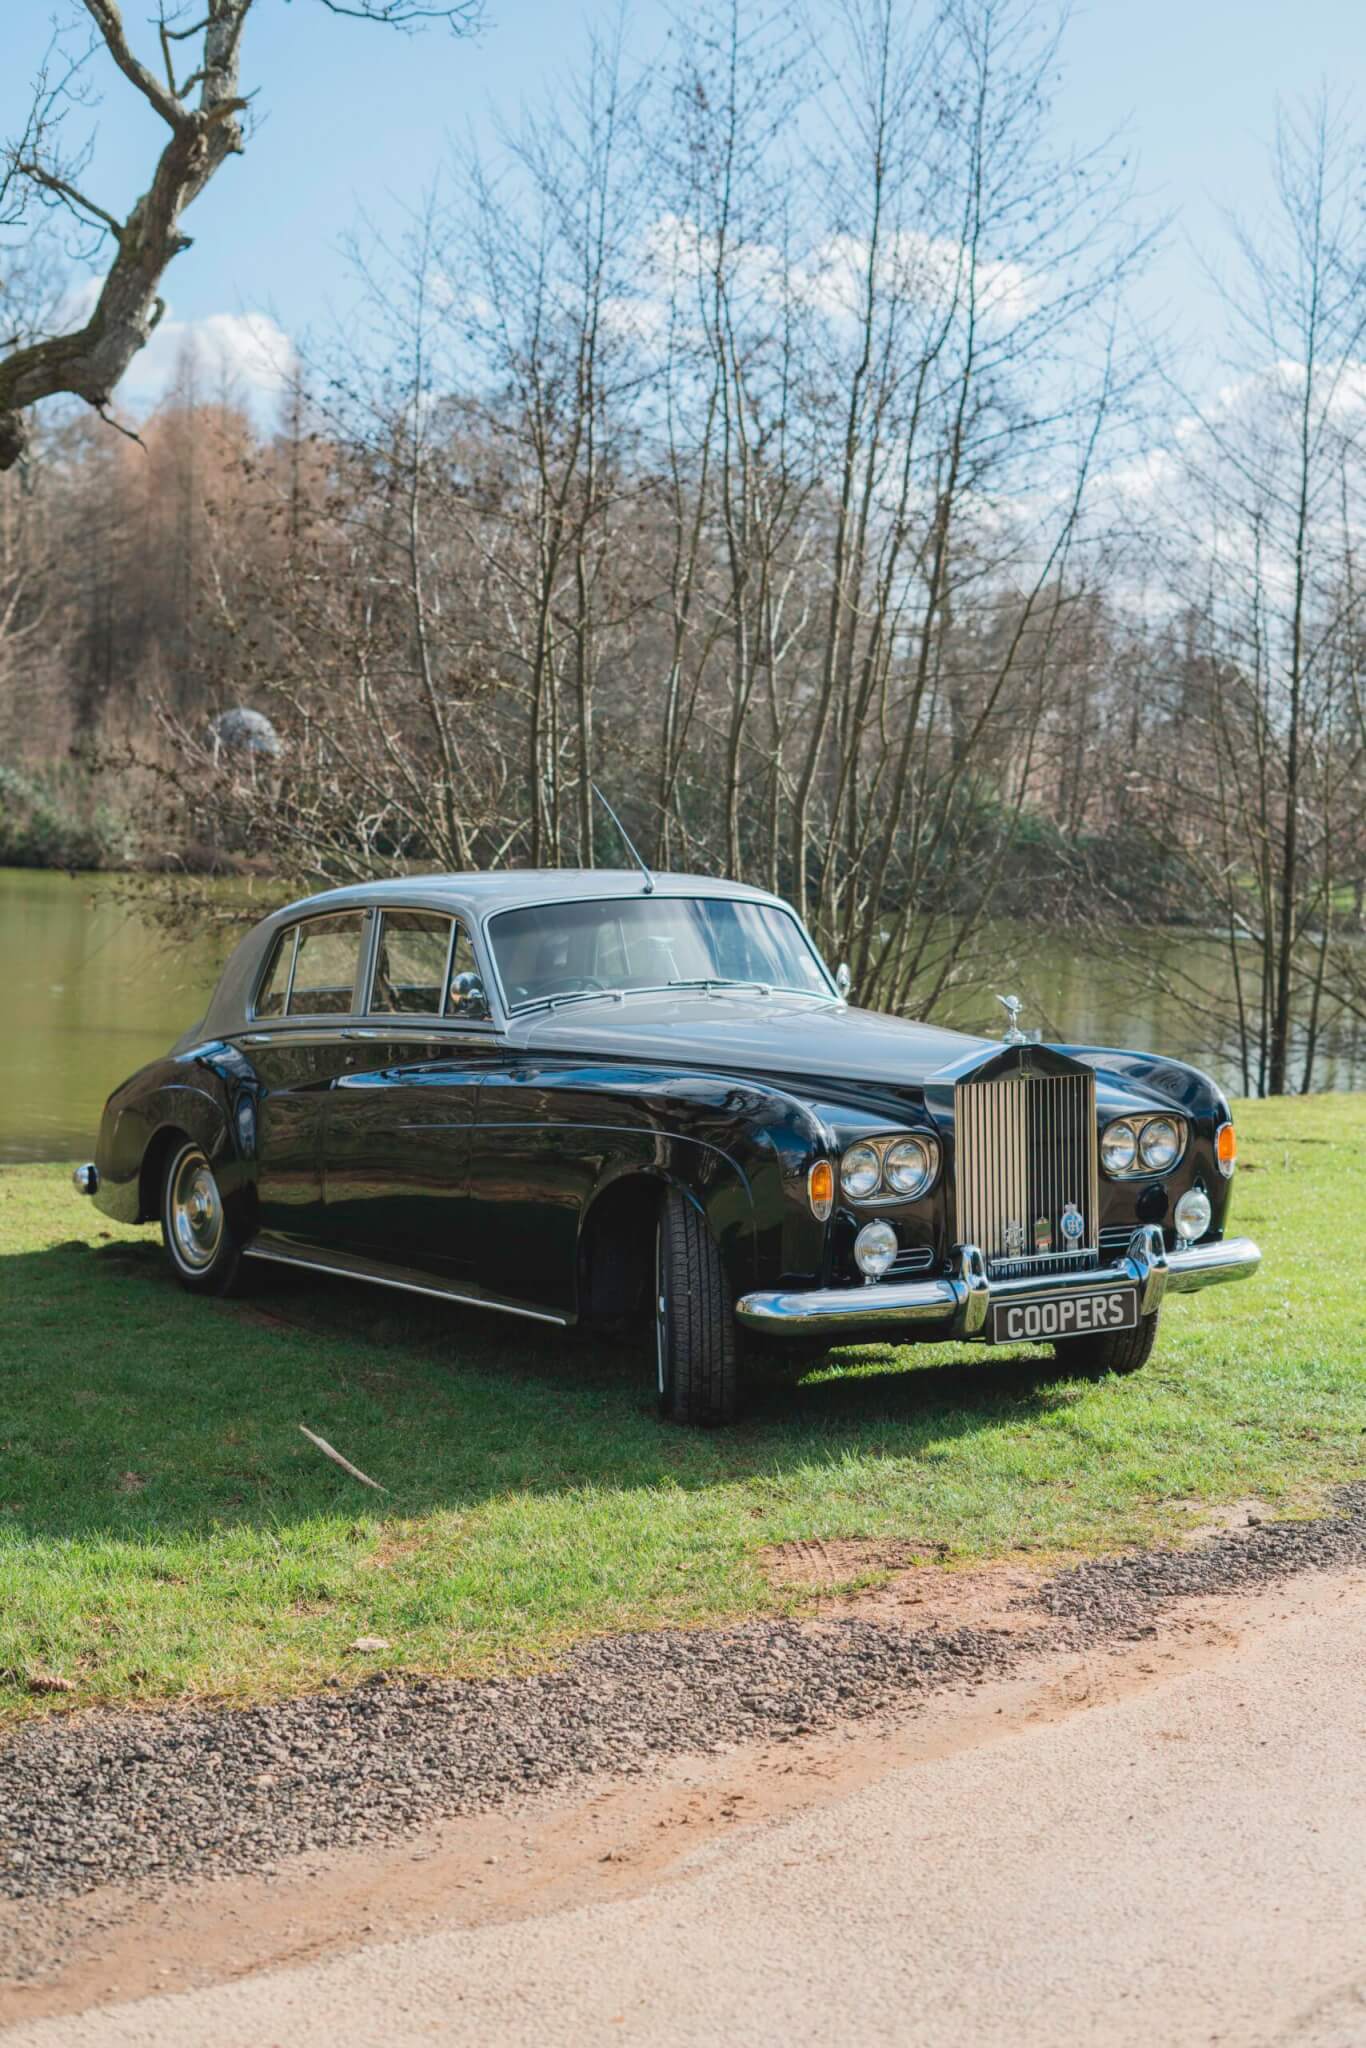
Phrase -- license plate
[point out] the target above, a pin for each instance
(1064, 1315)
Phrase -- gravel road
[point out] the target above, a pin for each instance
(1176, 1858)
(149, 1797)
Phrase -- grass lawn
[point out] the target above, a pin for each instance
(167, 1532)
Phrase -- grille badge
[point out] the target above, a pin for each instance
(1043, 1234)
(1015, 1238)
(1073, 1223)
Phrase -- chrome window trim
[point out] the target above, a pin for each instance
(460, 921)
(450, 966)
(367, 917)
(290, 932)
(289, 978)
(313, 1031)
(657, 895)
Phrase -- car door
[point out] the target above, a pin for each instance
(396, 1133)
(298, 1046)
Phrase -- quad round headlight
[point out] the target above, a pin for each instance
(1118, 1148)
(1159, 1143)
(874, 1249)
(908, 1166)
(860, 1171)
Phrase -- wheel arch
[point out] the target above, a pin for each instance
(173, 1116)
(616, 1245)
(618, 1223)
(164, 1142)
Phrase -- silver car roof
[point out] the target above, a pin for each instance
(512, 888)
(477, 896)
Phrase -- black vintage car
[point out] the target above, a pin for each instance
(599, 1097)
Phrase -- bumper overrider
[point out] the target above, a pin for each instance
(958, 1304)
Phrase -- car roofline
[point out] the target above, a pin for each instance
(475, 897)
(482, 895)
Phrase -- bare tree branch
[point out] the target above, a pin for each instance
(204, 133)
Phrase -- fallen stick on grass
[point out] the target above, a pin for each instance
(337, 1459)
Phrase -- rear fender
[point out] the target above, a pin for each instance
(201, 1096)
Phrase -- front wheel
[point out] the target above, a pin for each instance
(695, 1342)
(1092, 1357)
(204, 1254)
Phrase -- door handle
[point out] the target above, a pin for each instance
(365, 1034)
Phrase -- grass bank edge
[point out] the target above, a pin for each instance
(166, 1532)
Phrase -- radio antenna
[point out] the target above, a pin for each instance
(626, 839)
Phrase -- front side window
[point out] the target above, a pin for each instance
(325, 965)
(424, 967)
(559, 949)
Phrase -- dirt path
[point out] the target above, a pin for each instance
(1161, 1840)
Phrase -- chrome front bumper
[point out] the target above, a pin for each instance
(957, 1304)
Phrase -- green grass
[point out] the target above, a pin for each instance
(166, 1532)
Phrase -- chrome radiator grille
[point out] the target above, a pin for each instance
(1025, 1154)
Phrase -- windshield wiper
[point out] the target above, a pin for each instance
(569, 995)
(765, 988)
(711, 981)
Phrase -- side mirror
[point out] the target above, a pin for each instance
(844, 980)
(468, 998)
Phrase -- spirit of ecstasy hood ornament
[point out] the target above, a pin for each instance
(1013, 1034)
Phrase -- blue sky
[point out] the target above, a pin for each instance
(355, 116)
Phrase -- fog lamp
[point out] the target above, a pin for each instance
(874, 1249)
(1192, 1214)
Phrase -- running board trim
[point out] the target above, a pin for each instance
(344, 1272)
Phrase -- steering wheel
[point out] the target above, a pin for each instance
(587, 984)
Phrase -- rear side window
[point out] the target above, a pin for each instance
(274, 989)
(325, 965)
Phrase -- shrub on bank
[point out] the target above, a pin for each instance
(54, 820)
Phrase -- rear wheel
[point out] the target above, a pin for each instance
(695, 1337)
(1122, 1351)
(204, 1254)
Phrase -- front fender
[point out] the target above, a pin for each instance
(1199, 1099)
(737, 1149)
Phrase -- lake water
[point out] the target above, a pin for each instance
(89, 992)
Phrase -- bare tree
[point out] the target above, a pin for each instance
(194, 87)
(1269, 517)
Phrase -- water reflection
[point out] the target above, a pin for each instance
(89, 992)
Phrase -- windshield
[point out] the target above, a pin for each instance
(562, 949)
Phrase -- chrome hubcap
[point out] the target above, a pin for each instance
(196, 1213)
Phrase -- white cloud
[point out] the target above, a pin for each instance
(831, 279)
(635, 319)
(247, 354)
(931, 269)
